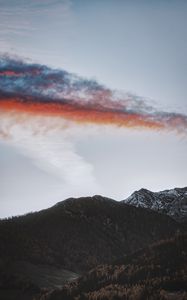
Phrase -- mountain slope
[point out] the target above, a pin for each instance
(158, 272)
(78, 234)
(171, 202)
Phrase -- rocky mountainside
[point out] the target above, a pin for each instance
(158, 272)
(171, 202)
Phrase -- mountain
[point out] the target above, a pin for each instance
(78, 234)
(158, 272)
(47, 248)
(171, 202)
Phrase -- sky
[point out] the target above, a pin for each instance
(92, 99)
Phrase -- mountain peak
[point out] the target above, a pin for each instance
(81, 200)
(172, 202)
(143, 190)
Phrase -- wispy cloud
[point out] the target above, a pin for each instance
(37, 89)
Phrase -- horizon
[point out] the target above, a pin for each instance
(90, 107)
(80, 197)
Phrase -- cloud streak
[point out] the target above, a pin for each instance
(39, 90)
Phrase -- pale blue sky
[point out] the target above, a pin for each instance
(137, 46)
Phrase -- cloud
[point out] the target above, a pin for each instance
(39, 90)
(52, 151)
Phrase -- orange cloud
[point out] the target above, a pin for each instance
(80, 114)
(39, 90)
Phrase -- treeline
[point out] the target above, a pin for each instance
(158, 272)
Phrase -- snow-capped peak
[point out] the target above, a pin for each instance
(171, 202)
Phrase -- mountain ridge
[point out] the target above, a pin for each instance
(72, 237)
(86, 226)
(171, 202)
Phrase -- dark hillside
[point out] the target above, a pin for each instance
(78, 234)
(158, 272)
